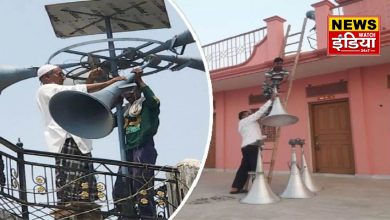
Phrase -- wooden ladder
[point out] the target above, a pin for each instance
(283, 53)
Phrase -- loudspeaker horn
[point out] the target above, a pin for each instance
(295, 188)
(305, 172)
(89, 115)
(278, 116)
(260, 192)
(10, 75)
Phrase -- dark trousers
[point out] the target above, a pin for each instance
(144, 179)
(141, 184)
(248, 163)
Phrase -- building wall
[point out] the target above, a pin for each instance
(370, 7)
(368, 97)
(377, 117)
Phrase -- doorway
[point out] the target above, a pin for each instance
(332, 137)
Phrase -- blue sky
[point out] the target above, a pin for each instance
(218, 19)
(27, 39)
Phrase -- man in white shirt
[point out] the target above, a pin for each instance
(250, 131)
(60, 141)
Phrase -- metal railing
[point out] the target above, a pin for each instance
(233, 50)
(337, 10)
(29, 191)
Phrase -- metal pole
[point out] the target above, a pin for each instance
(22, 180)
(119, 111)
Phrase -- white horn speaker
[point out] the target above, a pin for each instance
(278, 117)
(295, 187)
(305, 171)
(260, 192)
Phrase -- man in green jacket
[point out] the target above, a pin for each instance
(141, 116)
(141, 124)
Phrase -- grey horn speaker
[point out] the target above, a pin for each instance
(85, 115)
(89, 115)
(10, 75)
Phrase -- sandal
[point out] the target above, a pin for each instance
(239, 191)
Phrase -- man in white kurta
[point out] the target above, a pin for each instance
(55, 136)
(60, 141)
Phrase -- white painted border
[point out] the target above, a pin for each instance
(185, 20)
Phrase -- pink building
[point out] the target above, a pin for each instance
(343, 102)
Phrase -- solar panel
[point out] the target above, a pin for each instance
(90, 17)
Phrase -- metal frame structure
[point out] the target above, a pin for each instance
(28, 187)
(113, 69)
(137, 56)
